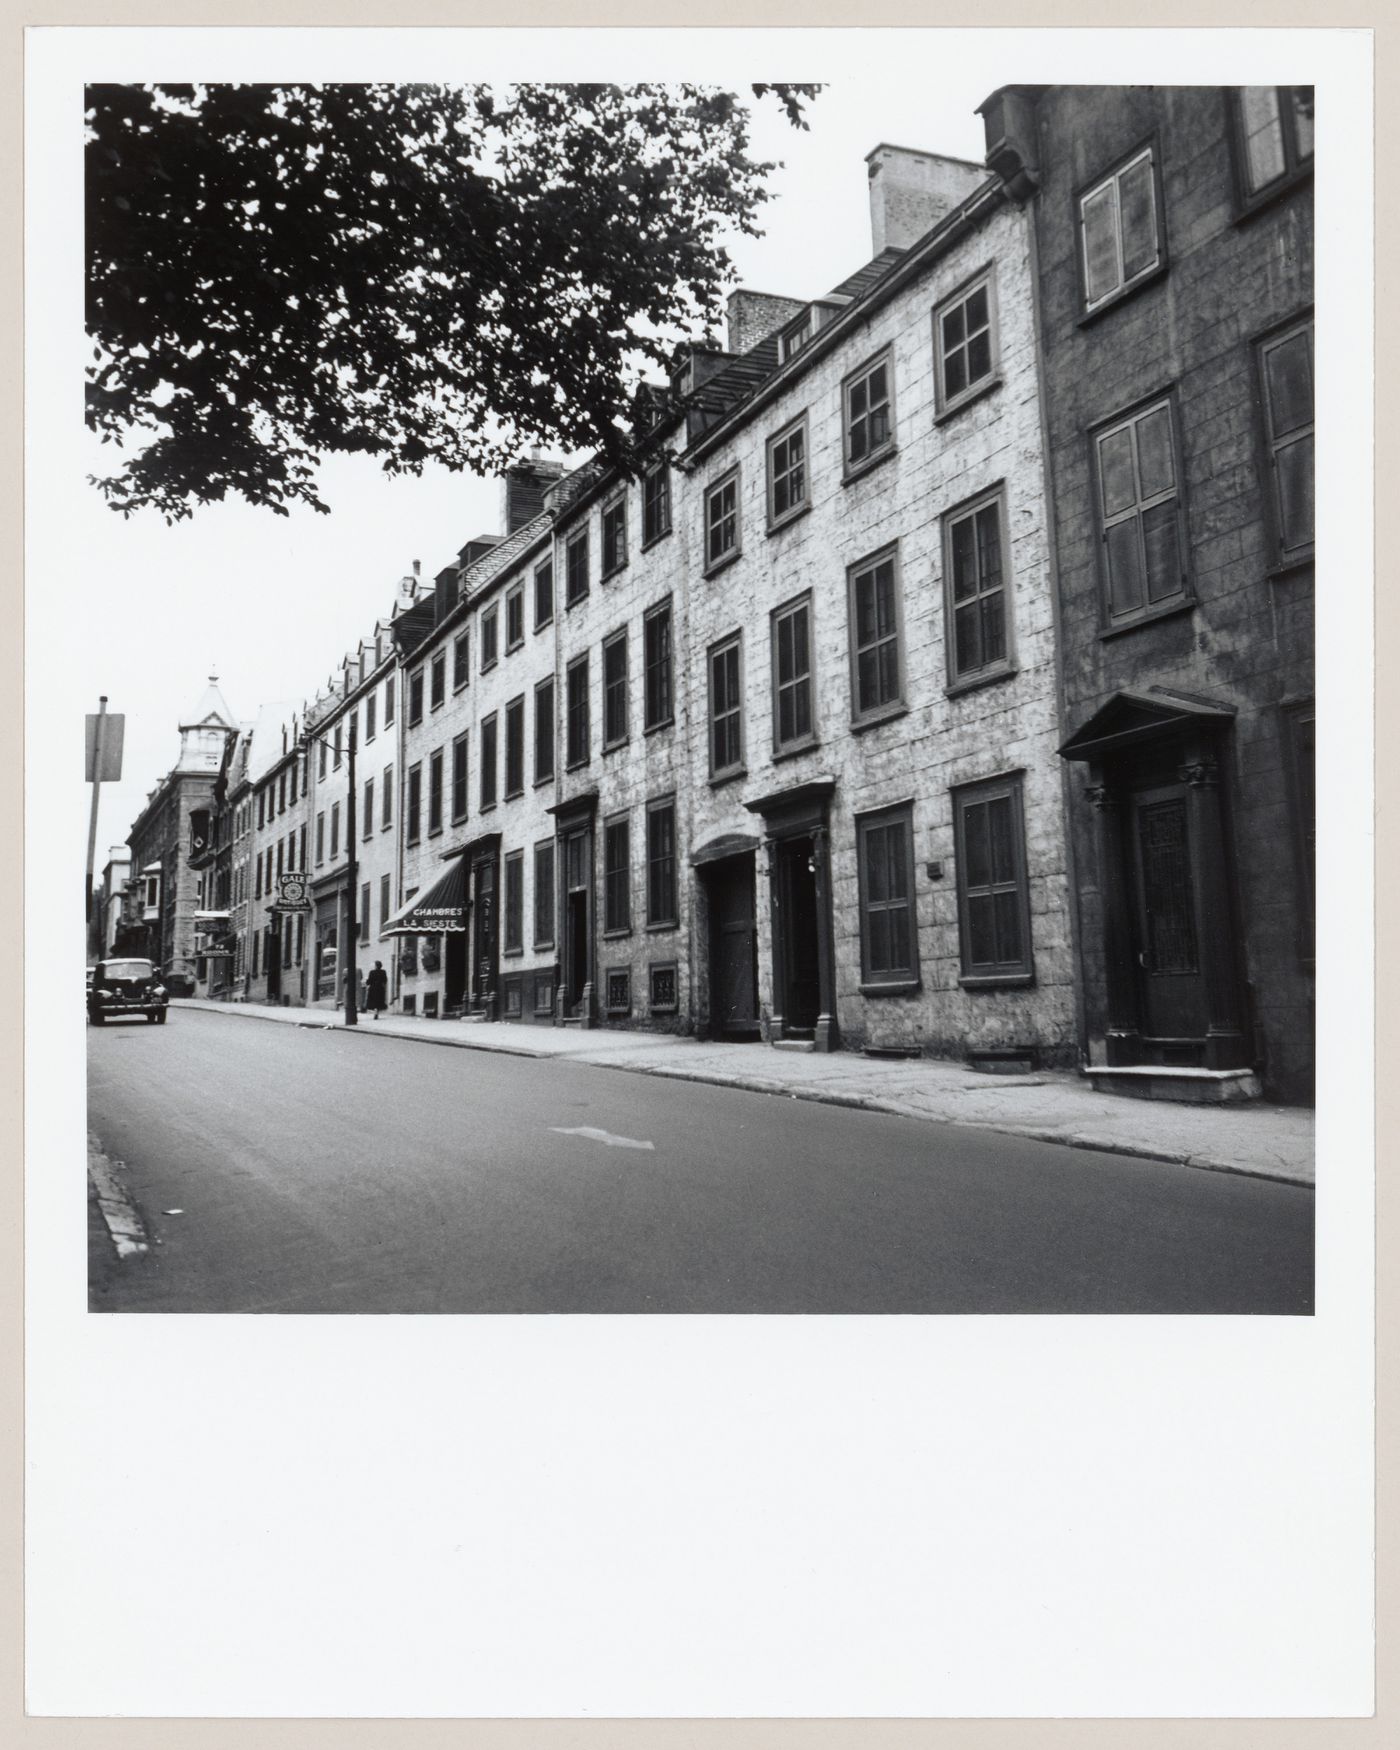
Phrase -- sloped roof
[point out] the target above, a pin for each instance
(211, 709)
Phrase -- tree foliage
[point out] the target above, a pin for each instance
(420, 273)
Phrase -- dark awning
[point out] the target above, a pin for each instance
(439, 909)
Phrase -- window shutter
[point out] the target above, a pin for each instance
(1099, 219)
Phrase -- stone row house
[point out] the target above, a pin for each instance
(943, 682)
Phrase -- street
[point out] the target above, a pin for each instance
(319, 1172)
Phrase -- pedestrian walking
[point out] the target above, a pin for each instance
(377, 989)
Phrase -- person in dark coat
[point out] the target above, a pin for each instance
(377, 989)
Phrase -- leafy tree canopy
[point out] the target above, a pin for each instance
(420, 273)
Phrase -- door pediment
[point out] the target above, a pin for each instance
(1130, 717)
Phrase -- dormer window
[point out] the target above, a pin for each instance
(796, 335)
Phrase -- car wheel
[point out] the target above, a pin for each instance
(97, 1017)
(160, 1015)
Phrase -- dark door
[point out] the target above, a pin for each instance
(274, 962)
(802, 995)
(578, 861)
(483, 935)
(454, 970)
(733, 949)
(1172, 994)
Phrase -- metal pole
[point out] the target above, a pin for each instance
(92, 818)
(352, 872)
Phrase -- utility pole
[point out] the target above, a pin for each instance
(104, 765)
(352, 876)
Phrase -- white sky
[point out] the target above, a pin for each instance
(270, 603)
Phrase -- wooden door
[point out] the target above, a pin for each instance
(1172, 993)
(733, 949)
(801, 947)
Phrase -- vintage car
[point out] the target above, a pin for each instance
(126, 987)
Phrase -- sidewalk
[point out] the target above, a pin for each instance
(1271, 1142)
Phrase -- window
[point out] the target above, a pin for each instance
(656, 631)
(544, 894)
(363, 919)
(302, 864)
(1301, 726)
(281, 853)
(656, 504)
(257, 876)
(388, 705)
(383, 901)
(661, 863)
(515, 747)
(994, 923)
(415, 699)
(415, 804)
(459, 778)
(788, 492)
(461, 661)
(488, 761)
(1286, 388)
(320, 773)
(876, 678)
(437, 686)
(617, 876)
(965, 343)
(282, 792)
(335, 829)
(726, 709)
(576, 568)
(889, 938)
(513, 925)
(615, 689)
(367, 812)
(544, 594)
(614, 535)
(663, 980)
(1273, 126)
(576, 724)
(515, 617)
(489, 623)
(544, 731)
(722, 521)
(320, 840)
(796, 335)
(979, 635)
(371, 701)
(1119, 242)
(792, 676)
(339, 755)
(435, 791)
(617, 990)
(1140, 515)
(867, 412)
(386, 817)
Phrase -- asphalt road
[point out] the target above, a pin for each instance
(320, 1172)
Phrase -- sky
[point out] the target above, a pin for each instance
(270, 603)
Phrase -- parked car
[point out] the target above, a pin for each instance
(126, 987)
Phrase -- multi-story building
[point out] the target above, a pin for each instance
(1174, 234)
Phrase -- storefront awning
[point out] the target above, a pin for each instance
(438, 909)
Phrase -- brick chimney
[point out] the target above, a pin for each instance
(753, 316)
(911, 192)
(524, 485)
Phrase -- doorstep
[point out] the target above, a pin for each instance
(1156, 1081)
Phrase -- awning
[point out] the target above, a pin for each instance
(439, 909)
(211, 917)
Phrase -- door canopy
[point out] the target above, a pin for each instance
(1131, 717)
(439, 910)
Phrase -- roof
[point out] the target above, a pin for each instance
(212, 708)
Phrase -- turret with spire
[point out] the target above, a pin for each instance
(204, 730)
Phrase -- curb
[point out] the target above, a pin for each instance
(810, 1091)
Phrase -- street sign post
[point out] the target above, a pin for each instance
(105, 736)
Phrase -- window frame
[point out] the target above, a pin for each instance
(386, 800)
(371, 699)
(413, 810)
(662, 473)
(461, 777)
(543, 774)
(1297, 167)
(615, 925)
(891, 980)
(1184, 600)
(514, 780)
(612, 523)
(367, 806)
(490, 639)
(714, 562)
(1149, 148)
(852, 469)
(573, 761)
(796, 507)
(388, 702)
(866, 716)
(656, 614)
(543, 908)
(461, 660)
(966, 680)
(487, 755)
(435, 769)
(1283, 560)
(513, 903)
(437, 680)
(616, 687)
(515, 617)
(335, 835)
(733, 714)
(784, 749)
(576, 542)
(1010, 786)
(543, 569)
(947, 405)
(415, 701)
(656, 807)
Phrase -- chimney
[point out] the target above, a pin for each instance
(911, 192)
(524, 485)
(753, 316)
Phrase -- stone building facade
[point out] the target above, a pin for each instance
(1174, 233)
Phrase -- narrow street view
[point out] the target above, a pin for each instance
(431, 1180)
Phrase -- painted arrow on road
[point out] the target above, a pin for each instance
(600, 1136)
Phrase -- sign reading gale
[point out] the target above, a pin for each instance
(291, 895)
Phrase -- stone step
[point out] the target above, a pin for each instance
(1156, 1081)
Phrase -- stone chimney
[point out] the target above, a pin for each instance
(911, 192)
(524, 485)
(753, 316)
